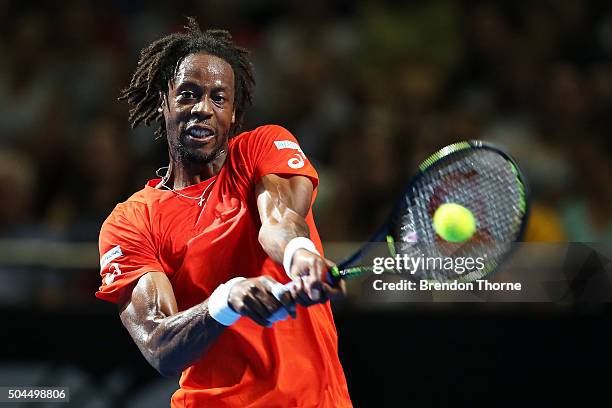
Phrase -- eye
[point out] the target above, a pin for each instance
(187, 94)
(218, 98)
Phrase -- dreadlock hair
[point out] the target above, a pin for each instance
(159, 62)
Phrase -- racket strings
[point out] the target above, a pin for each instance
(484, 182)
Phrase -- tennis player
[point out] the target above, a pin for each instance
(195, 260)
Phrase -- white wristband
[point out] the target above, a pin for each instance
(293, 245)
(218, 305)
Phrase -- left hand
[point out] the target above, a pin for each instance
(309, 272)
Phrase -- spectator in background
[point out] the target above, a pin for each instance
(532, 76)
(17, 195)
(101, 172)
(27, 86)
(587, 213)
(18, 186)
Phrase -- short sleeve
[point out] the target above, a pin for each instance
(273, 149)
(127, 252)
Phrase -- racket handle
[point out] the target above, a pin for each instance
(333, 276)
(278, 291)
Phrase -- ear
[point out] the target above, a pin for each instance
(233, 116)
(162, 102)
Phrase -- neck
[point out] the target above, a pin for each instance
(187, 174)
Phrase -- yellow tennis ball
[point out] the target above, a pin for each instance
(454, 222)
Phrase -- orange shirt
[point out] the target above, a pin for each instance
(293, 364)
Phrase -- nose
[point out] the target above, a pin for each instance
(203, 107)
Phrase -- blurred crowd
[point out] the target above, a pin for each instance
(369, 88)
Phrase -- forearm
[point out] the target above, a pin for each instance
(170, 340)
(179, 340)
(275, 234)
(283, 205)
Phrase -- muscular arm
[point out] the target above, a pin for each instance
(283, 204)
(171, 340)
(168, 339)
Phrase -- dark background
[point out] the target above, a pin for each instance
(369, 89)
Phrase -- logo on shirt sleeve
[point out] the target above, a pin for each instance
(114, 270)
(297, 159)
(110, 256)
(113, 267)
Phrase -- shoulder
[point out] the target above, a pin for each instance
(261, 141)
(270, 149)
(135, 211)
(261, 134)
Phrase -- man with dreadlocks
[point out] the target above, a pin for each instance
(197, 258)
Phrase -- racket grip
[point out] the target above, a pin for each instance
(279, 290)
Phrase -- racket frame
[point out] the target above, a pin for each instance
(341, 271)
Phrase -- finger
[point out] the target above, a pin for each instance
(253, 296)
(300, 268)
(278, 296)
(281, 294)
(256, 311)
(295, 271)
(296, 287)
(321, 292)
(336, 287)
(300, 295)
(330, 265)
(337, 291)
(296, 290)
(337, 284)
(314, 286)
(287, 302)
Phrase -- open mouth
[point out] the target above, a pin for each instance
(200, 133)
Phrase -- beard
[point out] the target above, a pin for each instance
(190, 154)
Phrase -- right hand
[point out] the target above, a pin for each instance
(310, 285)
(254, 299)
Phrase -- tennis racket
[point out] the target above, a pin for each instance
(474, 174)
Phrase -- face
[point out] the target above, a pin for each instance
(199, 109)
